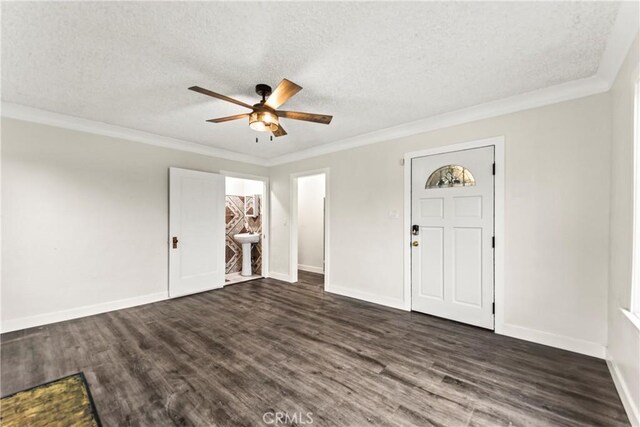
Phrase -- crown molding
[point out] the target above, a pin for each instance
(624, 31)
(550, 95)
(22, 112)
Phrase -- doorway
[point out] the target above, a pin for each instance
(454, 219)
(246, 227)
(201, 222)
(309, 227)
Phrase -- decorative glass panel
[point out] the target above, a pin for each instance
(450, 176)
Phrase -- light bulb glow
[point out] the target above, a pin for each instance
(263, 121)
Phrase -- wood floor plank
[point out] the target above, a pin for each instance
(227, 357)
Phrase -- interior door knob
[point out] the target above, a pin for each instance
(175, 243)
(415, 243)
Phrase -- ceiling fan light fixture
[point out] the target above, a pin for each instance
(263, 121)
(264, 116)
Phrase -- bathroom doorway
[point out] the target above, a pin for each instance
(309, 228)
(246, 227)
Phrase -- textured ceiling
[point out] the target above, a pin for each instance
(370, 65)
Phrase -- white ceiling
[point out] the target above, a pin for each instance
(370, 65)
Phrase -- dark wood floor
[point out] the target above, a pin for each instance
(228, 356)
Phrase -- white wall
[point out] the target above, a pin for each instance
(624, 337)
(311, 223)
(85, 221)
(233, 186)
(243, 187)
(557, 218)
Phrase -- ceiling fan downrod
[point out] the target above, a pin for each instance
(264, 91)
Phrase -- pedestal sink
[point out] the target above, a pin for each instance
(246, 239)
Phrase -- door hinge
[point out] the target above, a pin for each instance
(493, 169)
(493, 242)
(493, 308)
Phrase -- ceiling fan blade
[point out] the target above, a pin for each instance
(217, 95)
(285, 90)
(228, 118)
(307, 117)
(279, 132)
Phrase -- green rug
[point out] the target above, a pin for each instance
(63, 402)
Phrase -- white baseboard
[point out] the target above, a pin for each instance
(311, 268)
(553, 340)
(366, 296)
(280, 276)
(74, 313)
(631, 408)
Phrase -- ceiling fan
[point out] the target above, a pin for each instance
(265, 116)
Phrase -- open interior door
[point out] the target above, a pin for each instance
(196, 231)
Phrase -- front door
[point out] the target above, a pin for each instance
(196, 231)
(452, 235)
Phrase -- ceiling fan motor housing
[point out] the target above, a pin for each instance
(263, 90)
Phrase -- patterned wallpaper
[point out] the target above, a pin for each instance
(237, 222)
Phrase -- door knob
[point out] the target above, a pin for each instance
(415, 243)
(175, 243)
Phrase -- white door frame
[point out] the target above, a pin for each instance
(293, 223)
(266, 197)
(498, 144)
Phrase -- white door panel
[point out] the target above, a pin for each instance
(431, 262)
(196, 220)
(467, 207)
(432, 208)
(452, 255)
(467, 266)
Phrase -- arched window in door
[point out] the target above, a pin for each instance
(450, 176)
